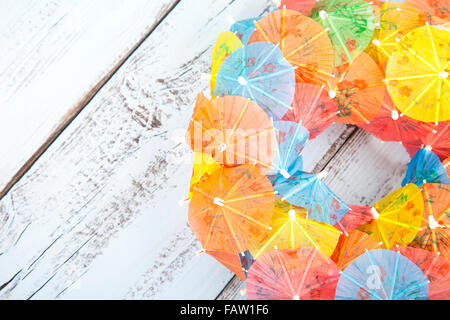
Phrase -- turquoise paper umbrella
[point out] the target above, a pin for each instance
(307, 190)
(425, 167)
(244, 29)
(382, 274)
(291, 139)
(259, 72)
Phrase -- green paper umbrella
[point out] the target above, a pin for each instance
(351, 25)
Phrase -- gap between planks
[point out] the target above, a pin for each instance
(73, 113)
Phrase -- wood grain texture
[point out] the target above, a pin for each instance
(54, 56)
(363, 171)
(97, 214)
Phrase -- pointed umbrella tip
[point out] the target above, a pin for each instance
(231, 19)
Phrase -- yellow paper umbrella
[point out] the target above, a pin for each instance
(291, 229)
(396, 20)
(417, 74)
(227, 42)
(397, 217)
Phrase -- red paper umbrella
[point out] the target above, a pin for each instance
(389, 126)
(302, 6)
(354, 218)
(312, 108)
(435, 268)
(300, 274)
(438, 140)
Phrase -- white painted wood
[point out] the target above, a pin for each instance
(54, 54)
(97, 215)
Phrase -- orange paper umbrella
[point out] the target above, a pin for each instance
(417, 74)
(435, 268)
(301, 274)
(389, 126)
(435, 234)
(351, 246)
(291, 229)
(232, 209)
(312, 108)
(354, 218)
(230, 261)
(233, 130)
(396, 20)
(303, 42)
(357, 89)
(397, 217)
(302, 6)
(437, 140)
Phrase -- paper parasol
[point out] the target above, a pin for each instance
(382, 274)
(232, 209)
(312, 108)
(397, 217)
(301, 274)
(258, 71)
(291, 229)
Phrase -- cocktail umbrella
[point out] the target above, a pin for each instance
(291, 138)
(433, 8)
(232, 209)
(397, 217)
(227, 42)
(355, 217)
(351, 246)
(382, 274)
(230, 261)
(357, 89)
(307, 190)
(204, 165)
(258, 71)
(233, 130)
(417, 74)
(351, 24)
(389, 126)
(302, 6)
(291, 229)
(303, 42)
(435, 268)
(312, 108)
(300, 274)
(396, 20)
(435, 233)
(425, 167)
(244, 29)
(437, 140)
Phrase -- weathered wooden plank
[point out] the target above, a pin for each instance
(97, 215)
(54, 56)
(363, 171)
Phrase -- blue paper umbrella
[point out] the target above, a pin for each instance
(307, 190)
(425, 167)
(291, 139)
(382, 274)
(259, 72)
(244, 29)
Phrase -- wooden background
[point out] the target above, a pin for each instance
(95, 97)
